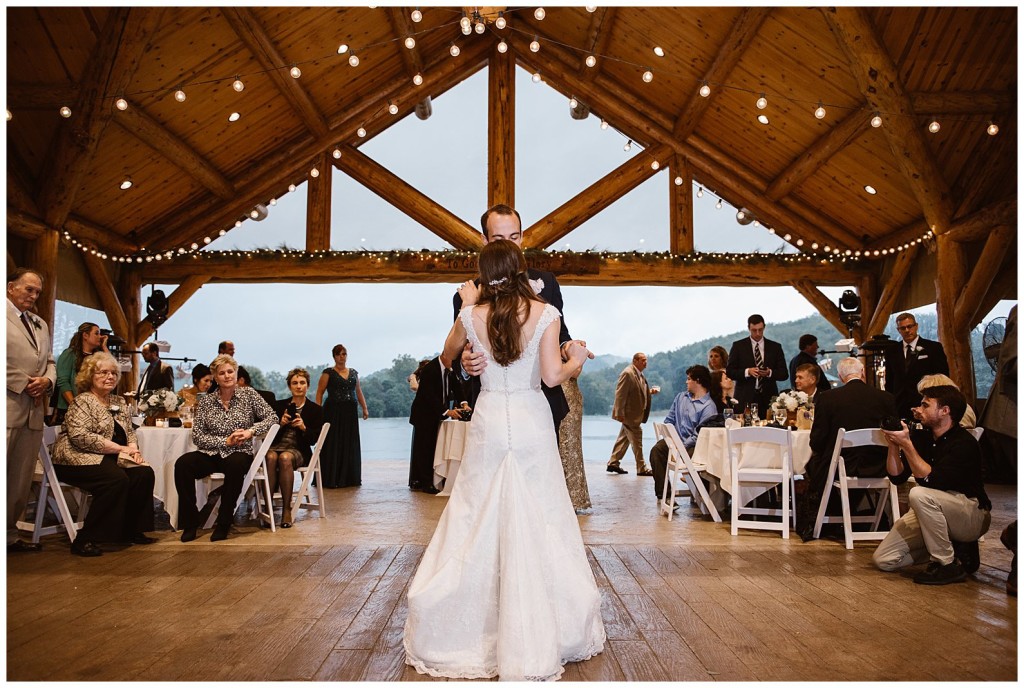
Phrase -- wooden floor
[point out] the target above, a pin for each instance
(325, 600)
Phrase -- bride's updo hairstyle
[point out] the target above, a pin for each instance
(505, 286)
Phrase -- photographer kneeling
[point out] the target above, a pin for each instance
(949, 509)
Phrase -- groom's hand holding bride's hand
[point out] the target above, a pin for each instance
(577, 351)
(473, 362)
(564, 348)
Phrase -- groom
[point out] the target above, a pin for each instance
(502, 223)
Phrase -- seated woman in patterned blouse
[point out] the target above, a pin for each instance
(223, 426)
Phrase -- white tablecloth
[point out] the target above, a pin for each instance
(451, 442)
(161, 448)
(712, 450)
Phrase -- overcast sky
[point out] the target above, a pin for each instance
(276, 327)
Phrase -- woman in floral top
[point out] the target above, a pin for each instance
(223, 426)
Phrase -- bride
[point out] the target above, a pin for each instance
(504, 587)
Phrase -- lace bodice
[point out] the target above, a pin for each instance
(522, 374)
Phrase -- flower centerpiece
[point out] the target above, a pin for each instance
(158, 403)
(797, 406)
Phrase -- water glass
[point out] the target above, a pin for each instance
(727, 414)
(753, 413)
(780, 416)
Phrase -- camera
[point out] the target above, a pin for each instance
(892, 423)
(114, 343)
(291, 409)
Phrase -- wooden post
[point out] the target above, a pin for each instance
(867, 289)
(680, 209)
(42, 257)
(951, 276)
(501, 129)
(108, 295)
(129, 292)
(318, 206)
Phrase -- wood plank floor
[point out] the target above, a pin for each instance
(325, 600)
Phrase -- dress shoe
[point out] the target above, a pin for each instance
(220, 532)
(616, 468)
(22, 546)
(645, 471)
(141, 539)
(431, 490)
(941, 574)
(189, 534)
(806, 534)
(968, 555)
(84, 548)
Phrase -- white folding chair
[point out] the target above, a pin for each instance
(837, 479)
(54, 497)
(302, 498)
(257, 474)
(747, 472)
(681, 465)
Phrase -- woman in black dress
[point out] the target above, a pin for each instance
(340, 458)
(301, 420)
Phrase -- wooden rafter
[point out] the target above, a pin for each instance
(144, 329)
(501, 129)
(410, 201)
(1004, 286)
(402, 26)
(716, 174)
(901, 266)
(867, 289)
(142, 126)
(820, 152)
(963, 102)
(983, 273)
(599, 35)
(252, 34)
(950, 279)
(20, 183)
(680, 213)
(985, 170)
(879, 80)
(978, 225)
(729, 54)
(109, 70)
(29, 226)
(40, 96)
(100, 278)
(822, 303)
(596, 197)
(318, 206)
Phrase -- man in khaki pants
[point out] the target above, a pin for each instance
(632, 406)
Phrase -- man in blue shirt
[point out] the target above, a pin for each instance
(689, 410)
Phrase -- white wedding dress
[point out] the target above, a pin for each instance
(504, 587)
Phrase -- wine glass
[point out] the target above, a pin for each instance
(780, 415)
(753, 413)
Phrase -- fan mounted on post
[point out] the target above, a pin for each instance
(992, 341)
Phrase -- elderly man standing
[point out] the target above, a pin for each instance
(31, 374)
(631, 408)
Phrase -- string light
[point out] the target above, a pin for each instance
(628, 146)
(934, 126)
(454, 50)
(180, 96)
(291, 187)
(361, 132)
(992, 129)
(763, 119)
(238, 85)
(314, 173)
(295, 72)
(819, 112)
(353, 60)
(573, 103)
(591, 8)
(590, 61)
(479, 27)
(121, 104)
(500, 22)
(416, 16)
(539, 14)
(678, 181)
(410, 42)
(336, 153)
(648, 76)
(9, 116)
(762, 102)
(418, 79)
(718, 206)
(604, 124)
(65, 112)
(876, 121)
(534, 45)
(502, 47)
(466, 25)
(392, 108)
(705, 90)
(536, 77)
(655, 164)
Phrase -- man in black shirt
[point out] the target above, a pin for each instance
(949, 509)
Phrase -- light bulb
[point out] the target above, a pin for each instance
(65, 112)
(535, 46)
(876, 121)
(337, 155)
(121, 104)
(361, 132)
(992, 129)
(343, 48)
(479, 27)
(295, 72)
(126, 184)
(314, 173)
(393, 109)
(718, 206)
(539, 14)
(180, 96)
(238, 85)
(502, 47)
(700, 192)
(454, 50)
(418, 79)
(500, 22)
(255, 213)
(410, 42)
(591, 60)
(291, 187)
(762, 102)
(272, 201)
(573, 103)
(591, 8)
(536, 77)
(353, 60)
(705, 90)
(934, 126)
(416, 15)
(659, 51)
(820, 111)
(206, 240)
(467, 29)
(628, 146)
(234, 117)
(655, 164)
(9, 116)
(679, 181)
(648, 76)
(604, 124)
(740, 215)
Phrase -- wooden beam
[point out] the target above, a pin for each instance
(410, 201)
(573, 269)
(680, 207)
(289, 163)
(108, 71)
(144, 329)
(29, 226)
(820, 152)
(986, 169)
(21, 184)
(963, 102)
(950, 279)
(729, 54)
(318, 206)
(33, 96)
(880, 82)
(599, 36)
(822, 303)
(142, 126)
(596, 197)
(867, 289)
(129, 286)
(901, 266)
(501, 129)
(41, 256)
(24, 225)
(403, 27)
(983, 273)
(1003, 287)
(100, 278)
(252, 34)
(978, 225)
(905, 234)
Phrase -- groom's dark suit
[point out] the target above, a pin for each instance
(437, 387)
(551, 293)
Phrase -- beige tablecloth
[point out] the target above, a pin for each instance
(451, 442)
(161, 448)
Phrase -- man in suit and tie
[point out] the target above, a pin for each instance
(502, 223)
(440, 389)
(31, 374)
(907, 361)
(808, 355)
(631, 408)
(756, 363)
(157, 375)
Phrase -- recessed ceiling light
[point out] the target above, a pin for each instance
(763, 119)
(659, 51)
(126, 184)
(233, 117)
(870, 189)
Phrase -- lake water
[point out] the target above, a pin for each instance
(390, 438)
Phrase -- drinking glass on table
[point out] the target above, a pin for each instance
(727, 414)
(780, 415)
(754, 416)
